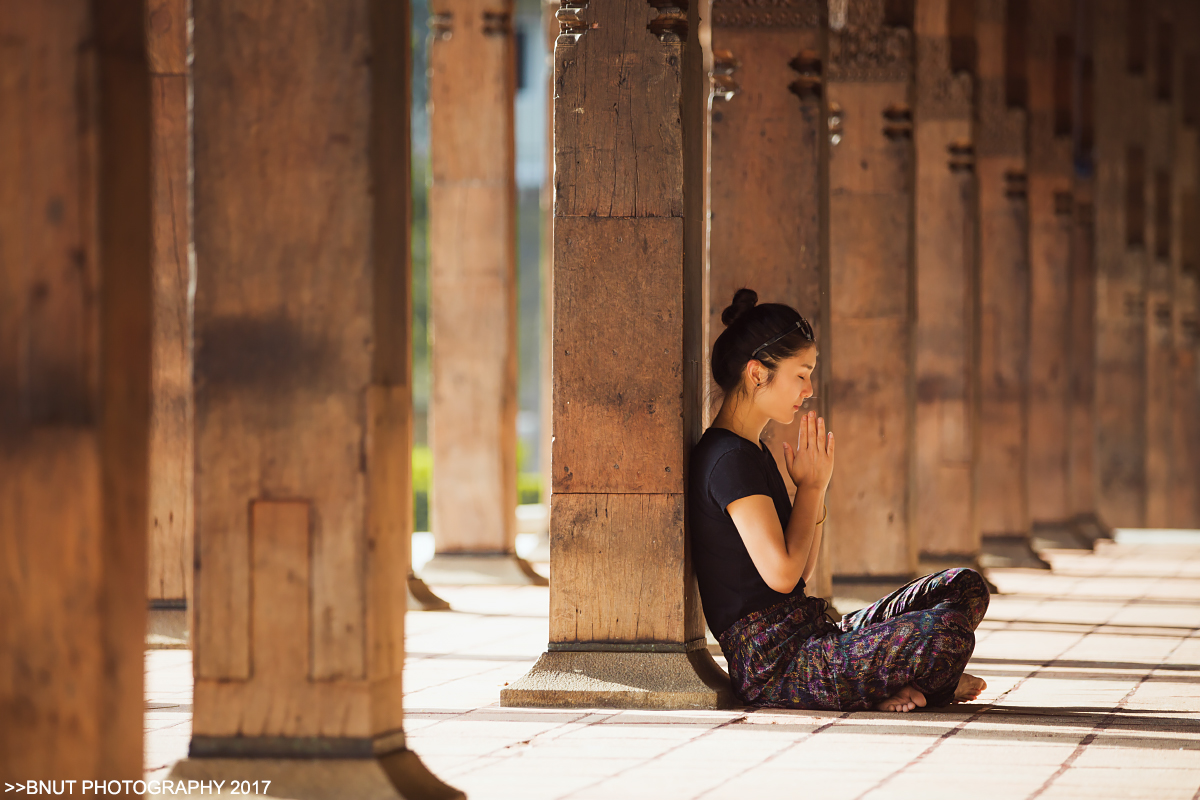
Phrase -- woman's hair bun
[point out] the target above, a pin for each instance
(743, 301)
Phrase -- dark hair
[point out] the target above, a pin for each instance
(770, 333)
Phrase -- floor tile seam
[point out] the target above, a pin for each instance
(795, 743)
(499, 752)
(456, 679)
(1100, 727)
(961, 725)
(1037, 605)
(654, 758)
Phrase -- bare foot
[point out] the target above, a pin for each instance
(969, 687)
(906, 699)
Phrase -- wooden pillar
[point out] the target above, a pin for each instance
(473, 295)
(1081, 480)
(768, 175)
(1002, 325)
(626, 628)
(170, 489)
(1159, 373)
(1185, 234)
(74, 387)
(1050, 189)
(1121, 43)
(303, 397)
(944, 212)
(870, 341)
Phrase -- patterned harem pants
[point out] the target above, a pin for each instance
(792, 655)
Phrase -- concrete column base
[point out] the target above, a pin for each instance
(472, 569)
(1089, 529)
(1010, 550)
(422, 598)
(398, 774)
(623, 679)
(1057, 536)
(541, 551)
(167, 625)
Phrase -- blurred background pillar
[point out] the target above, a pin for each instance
(1050, 53)
(1002, 327)
(944, 214)
(473, 295)
(1185, 257)
(171, 454)
(303, 398)
(1121, 44)
(768, 179)
(870, 382)
(75, 300)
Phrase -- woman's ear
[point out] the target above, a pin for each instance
(755, 372)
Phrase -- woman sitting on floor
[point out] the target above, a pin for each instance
(753, 549)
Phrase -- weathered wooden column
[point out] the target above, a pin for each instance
(473, 295)
(74, 387)
(1185, 233)
(1081, 474)
(303, 398)
(626, 628)
(170, 490)
(1002, 325)
(1160, 345)
(944, 212)
(1121, 42)
(1049, 73)
(768, 177)
(870, 386)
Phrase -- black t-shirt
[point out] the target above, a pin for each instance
(725, 467)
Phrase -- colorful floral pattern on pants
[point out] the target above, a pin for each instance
(792, 655)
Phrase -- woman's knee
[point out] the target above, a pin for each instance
(973, 589)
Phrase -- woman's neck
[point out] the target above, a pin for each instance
(741, 418)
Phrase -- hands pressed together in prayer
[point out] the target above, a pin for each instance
(810, 463)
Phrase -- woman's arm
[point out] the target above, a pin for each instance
(781, 557)
(815, 549)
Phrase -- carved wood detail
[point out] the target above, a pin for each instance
(866, 48)
(999, 129)
(671, 24)
(767, 13)
(942, 93)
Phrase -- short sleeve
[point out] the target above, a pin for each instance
(737, 474)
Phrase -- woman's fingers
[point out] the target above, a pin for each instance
(821, 434)
(787, 457)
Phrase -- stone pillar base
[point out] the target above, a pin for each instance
(1089, 529)
(399, 774)
(1010, 550)
(541, 551)
(623, 679)
(1057, 536)
(422, 598)
(929, 563)
(167, 625)
(471, 569)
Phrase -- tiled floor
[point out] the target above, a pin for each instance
(1094, 692)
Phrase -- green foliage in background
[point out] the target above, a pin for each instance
(529, 484)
